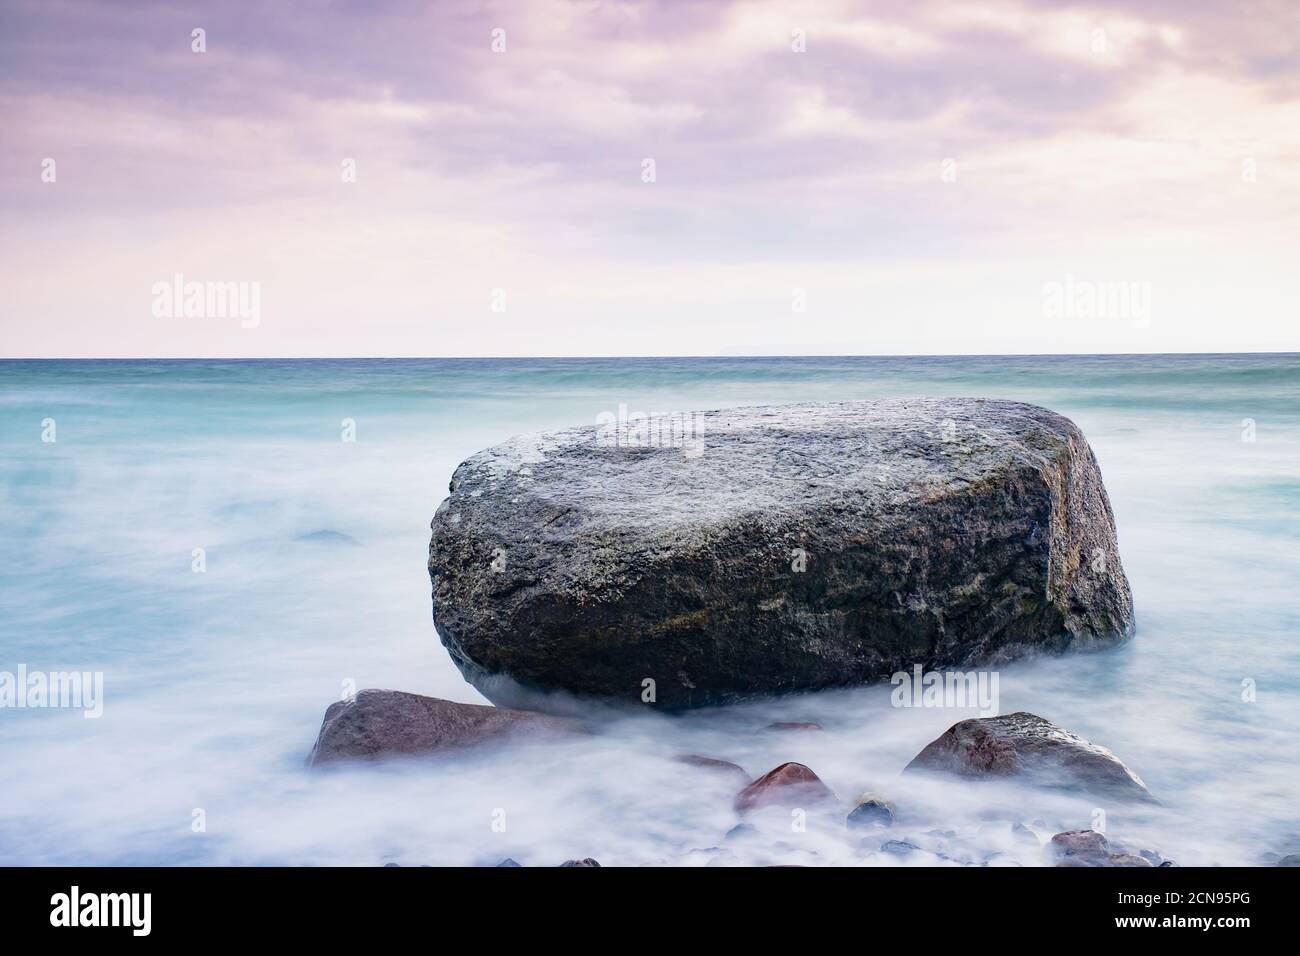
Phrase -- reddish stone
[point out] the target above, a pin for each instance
(393, 723)
(790, 785)
(713, 763)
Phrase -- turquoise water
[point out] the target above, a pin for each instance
(215, 682)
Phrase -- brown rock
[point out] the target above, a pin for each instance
(391, 723)
(1087, 845)
(1026, 745)
(1090, 848)
(791, 785)
(713, 763)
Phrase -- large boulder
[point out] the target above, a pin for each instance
(391, 723)
(771, 549)
(1028, 747)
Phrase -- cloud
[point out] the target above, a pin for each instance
(915, 143)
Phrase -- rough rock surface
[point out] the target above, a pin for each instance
(391, 723)
(898, 847)
(871, 811)
(1089, 848)
(789, 785)
(779, 548)
(1026, 745)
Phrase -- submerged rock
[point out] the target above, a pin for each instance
(713, 763)
(741, 831)
(1090, 848)
(1025, 835)
(1027, 746)
(898, 847)
(1087, 846)
(1155, 859)
(780, 548)
(871, 811)
(789, 785)
(328, 536)
(391, 723)
(794, 725)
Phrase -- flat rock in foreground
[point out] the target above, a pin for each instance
(1036, 750)
(726, 554)
(391, 723)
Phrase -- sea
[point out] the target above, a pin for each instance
(225, 548)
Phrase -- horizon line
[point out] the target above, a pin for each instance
(525, 358)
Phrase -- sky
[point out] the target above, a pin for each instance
(648, 178)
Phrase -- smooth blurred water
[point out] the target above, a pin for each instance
(216, 682)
